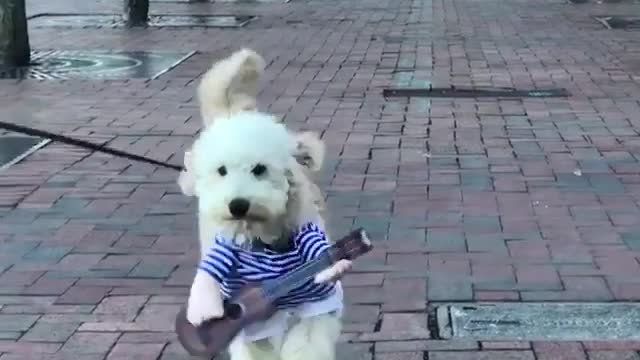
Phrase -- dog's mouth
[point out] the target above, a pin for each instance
(248, 217)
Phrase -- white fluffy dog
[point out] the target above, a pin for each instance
(259, 216)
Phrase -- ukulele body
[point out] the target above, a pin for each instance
(213, 336)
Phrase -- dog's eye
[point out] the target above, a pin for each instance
(259, 170)
(222, 171)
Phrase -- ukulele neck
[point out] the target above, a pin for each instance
(276, 288)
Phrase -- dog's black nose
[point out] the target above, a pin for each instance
(239, 207)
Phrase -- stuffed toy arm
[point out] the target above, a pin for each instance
(333, 273)
(206, 297)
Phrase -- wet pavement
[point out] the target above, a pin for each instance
(118, 21)
(492, 198)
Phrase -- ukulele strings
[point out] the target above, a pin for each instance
(275, 288)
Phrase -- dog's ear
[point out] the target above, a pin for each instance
(301, 207)
(186, 179)
(310, 150)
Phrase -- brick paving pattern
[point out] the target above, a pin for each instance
(469, 199)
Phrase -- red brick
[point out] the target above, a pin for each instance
(400, 356)
(158, 313)
(414, 294)
(56, 356)
(361, 313)
(528, 249)
(50, 332)
(71, 234)
(613, 355)
(496, 295)
(612, 345)
(492, 271)
(400, 327)
(80, 261)
(484, 355)
(27, 348)
(538, 277)
(625, 291)
(501, 345)
(128, 306)
(19, 278)
(147, 337)
(123, 351)
(556, 350)
(408, 261)
(49, 286)
(425, 345)
(79, 295)
(352, 280)
(90, 343)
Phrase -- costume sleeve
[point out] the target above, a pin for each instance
(312, 241)
(220, 261)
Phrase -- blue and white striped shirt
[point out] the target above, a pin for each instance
(233, 267)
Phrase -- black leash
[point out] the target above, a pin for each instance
(85, 144)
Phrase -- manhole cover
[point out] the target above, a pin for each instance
(207, 1)
(16, 148)
(200, 20)
(96, 65)
(471, 93)
(254, 1)
(542, 321)
(115, 21)
(619, 22)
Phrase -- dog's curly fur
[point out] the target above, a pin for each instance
(220, 167)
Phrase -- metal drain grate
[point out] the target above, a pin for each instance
(472, 93)
(619, 22)
(216, 1)
(253, 1)
(116, 21)
(541, 321)
(15, 148)
(221, 21)
(78, 64)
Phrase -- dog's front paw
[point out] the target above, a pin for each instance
(334, 272)
(201, 309)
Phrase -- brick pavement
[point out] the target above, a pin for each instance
(501, 200)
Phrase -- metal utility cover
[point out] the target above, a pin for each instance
(231, 1)
(220, 21)
(118, 21)
(254, 1)
(16, 148)
(472, 93)
(96, 65)
(619, 22)
(544, 321)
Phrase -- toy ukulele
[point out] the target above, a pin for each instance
(255, 302)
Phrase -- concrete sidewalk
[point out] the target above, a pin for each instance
(511, 199)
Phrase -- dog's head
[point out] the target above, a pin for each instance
(245, 170)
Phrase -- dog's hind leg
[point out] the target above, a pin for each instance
(259, 350)
(312, 338)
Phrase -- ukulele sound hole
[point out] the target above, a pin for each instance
(234, 311)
